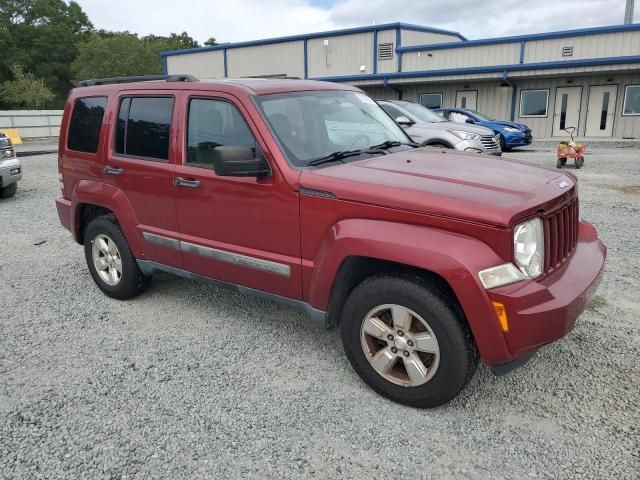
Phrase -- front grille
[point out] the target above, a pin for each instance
(489, 142)
(560, 234)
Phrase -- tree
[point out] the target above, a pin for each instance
(211, 42)
(115, 54)
(25, 90)
(42, 36)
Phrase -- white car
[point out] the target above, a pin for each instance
(10, 168)
(428, 128)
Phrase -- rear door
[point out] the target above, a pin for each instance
(242, 230)
(140, 163)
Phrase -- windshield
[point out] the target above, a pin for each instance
(312, 125)
(481, 116)
(422, 113)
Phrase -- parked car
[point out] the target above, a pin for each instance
(510, 134)
(10, 168)
(425, 259)
(428, 128)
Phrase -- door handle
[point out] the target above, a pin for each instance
(181, 182)
(113, 170)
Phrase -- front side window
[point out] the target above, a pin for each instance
(632, 100)
(533, 103)
(86, 120)
(431, 100)
(212, 124)
(392, 111)
(144, 127)
(312, 125)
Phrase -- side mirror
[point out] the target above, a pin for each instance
(239, 161)
(471, 121)
(404, 121)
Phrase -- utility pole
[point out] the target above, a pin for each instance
(628, 12)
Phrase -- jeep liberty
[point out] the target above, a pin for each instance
(428, 260)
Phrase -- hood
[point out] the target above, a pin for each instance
(464, 127)
(478, 188)
(504, 123)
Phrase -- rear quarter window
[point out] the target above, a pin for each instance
(86, 120)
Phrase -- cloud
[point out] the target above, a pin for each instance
(238, 20)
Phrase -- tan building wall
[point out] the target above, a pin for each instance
(340, 55)
(208, 64)
(285, 58)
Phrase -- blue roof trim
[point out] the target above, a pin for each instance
(522, 38)
(488, 69)
(307, 36)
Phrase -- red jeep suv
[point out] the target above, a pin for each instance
(308, 193)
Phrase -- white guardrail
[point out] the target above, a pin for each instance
(32, 123)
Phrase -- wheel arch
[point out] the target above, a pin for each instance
(357, 249)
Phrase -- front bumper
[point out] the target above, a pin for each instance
(476, 146)
(517, 140)
(10, 171)
(542, 311)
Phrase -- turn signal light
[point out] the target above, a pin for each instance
(501, 313)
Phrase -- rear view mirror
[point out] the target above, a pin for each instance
(239, 161)
(404, 121)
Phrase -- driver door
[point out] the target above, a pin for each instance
(242, 230)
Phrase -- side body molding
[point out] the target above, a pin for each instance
(455, 257)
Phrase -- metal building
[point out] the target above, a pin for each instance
(588, 78)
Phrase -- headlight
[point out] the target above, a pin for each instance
(528, 247)
(511, 129)
(465, 135)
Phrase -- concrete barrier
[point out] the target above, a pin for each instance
(32, 123)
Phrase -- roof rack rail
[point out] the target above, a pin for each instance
(139, 78)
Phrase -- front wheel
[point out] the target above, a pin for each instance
(8, 191)
(110, 260)
(408, 340)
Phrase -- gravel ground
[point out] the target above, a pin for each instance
(192, 381)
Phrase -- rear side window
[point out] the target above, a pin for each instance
(84, 129)
(144, 127)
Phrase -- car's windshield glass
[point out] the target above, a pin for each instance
(313, 125)
(423, 114)
(481, 116)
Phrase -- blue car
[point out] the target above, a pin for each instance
(511, 134)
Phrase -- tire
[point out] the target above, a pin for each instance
(131, 281)
(436, 145)
(446, 374)
(503, 145)
(9, 191)
(579, 162)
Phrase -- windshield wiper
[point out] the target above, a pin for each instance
(340, 155)
(390, 144)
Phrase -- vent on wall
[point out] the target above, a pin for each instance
(385, 51)
(567, 51)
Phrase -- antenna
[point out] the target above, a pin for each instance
(628, 12)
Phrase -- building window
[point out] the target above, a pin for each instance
(144, 127)
(385, 51)
(534, 103)
(86, 120)
(631, 100)
(431, 100)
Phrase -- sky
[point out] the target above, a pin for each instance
(240, 20)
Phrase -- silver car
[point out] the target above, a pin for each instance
(10, 168)
(428, 128)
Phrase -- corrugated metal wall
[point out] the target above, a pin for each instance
(340, 55)
(502, 54)
(592, 46)
(412, 37)
(285, 58)
(201, 64)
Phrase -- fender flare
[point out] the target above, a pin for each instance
(112, 198)
(434, 142)
(454, 257)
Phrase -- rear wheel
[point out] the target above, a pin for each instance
(579, 162)
(110, 261)
(408, 340)
(8, 191)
